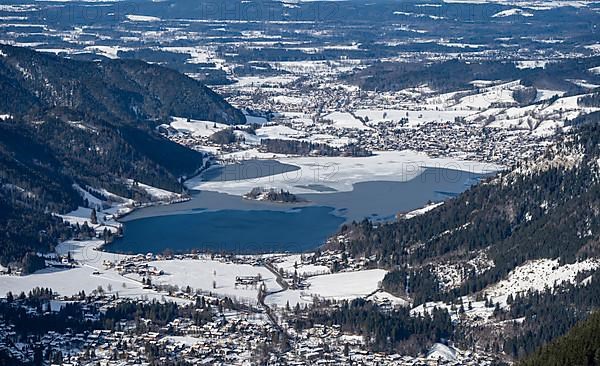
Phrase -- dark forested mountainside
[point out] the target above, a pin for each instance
(580, 346)
(591, 118)
(117, 91)
(591, 100)
(548, 314)
(90, 124)
(548, 208)
(457, 74)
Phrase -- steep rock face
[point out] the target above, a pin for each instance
(123, 90)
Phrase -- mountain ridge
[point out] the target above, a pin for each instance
(68, 124)
(127, 90)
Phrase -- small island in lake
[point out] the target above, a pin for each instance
(272, 195)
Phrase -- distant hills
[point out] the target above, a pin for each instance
(66, 122)
(457, 74)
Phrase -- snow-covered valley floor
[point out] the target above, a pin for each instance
(98, 270)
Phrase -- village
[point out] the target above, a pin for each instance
(484, 124)
(236, 317)
(226, 336)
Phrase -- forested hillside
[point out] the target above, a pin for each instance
(120, 91)
(581, 346)
(68, 122)
(543, 209)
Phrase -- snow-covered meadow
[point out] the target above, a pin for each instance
(415, 117)
(95, 271)
(336, 286)
(88, 276)
(200, 274)
(294, 263)
(91, 273)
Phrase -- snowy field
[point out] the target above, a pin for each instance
(156, 194)
(528, 4)
(293, 262)
(512, 12)
(538, 275)
(200, 274)
(198, 54)
(415, 117)
(345, 120)
(258, 81)
(141, 18)
(210, 276)
(423, 210)
(90, 274)
(196, 127)
(542, 119)
(337, 286)
(382, 297)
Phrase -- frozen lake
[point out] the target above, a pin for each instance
(221, 222)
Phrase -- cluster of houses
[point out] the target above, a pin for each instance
(314, 264)
(305, 106)
(231, 338)
(472, 141)
(328, 345)
(451, 137)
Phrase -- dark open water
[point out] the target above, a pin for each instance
(220, 222)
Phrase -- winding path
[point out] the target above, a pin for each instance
(261, 301)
